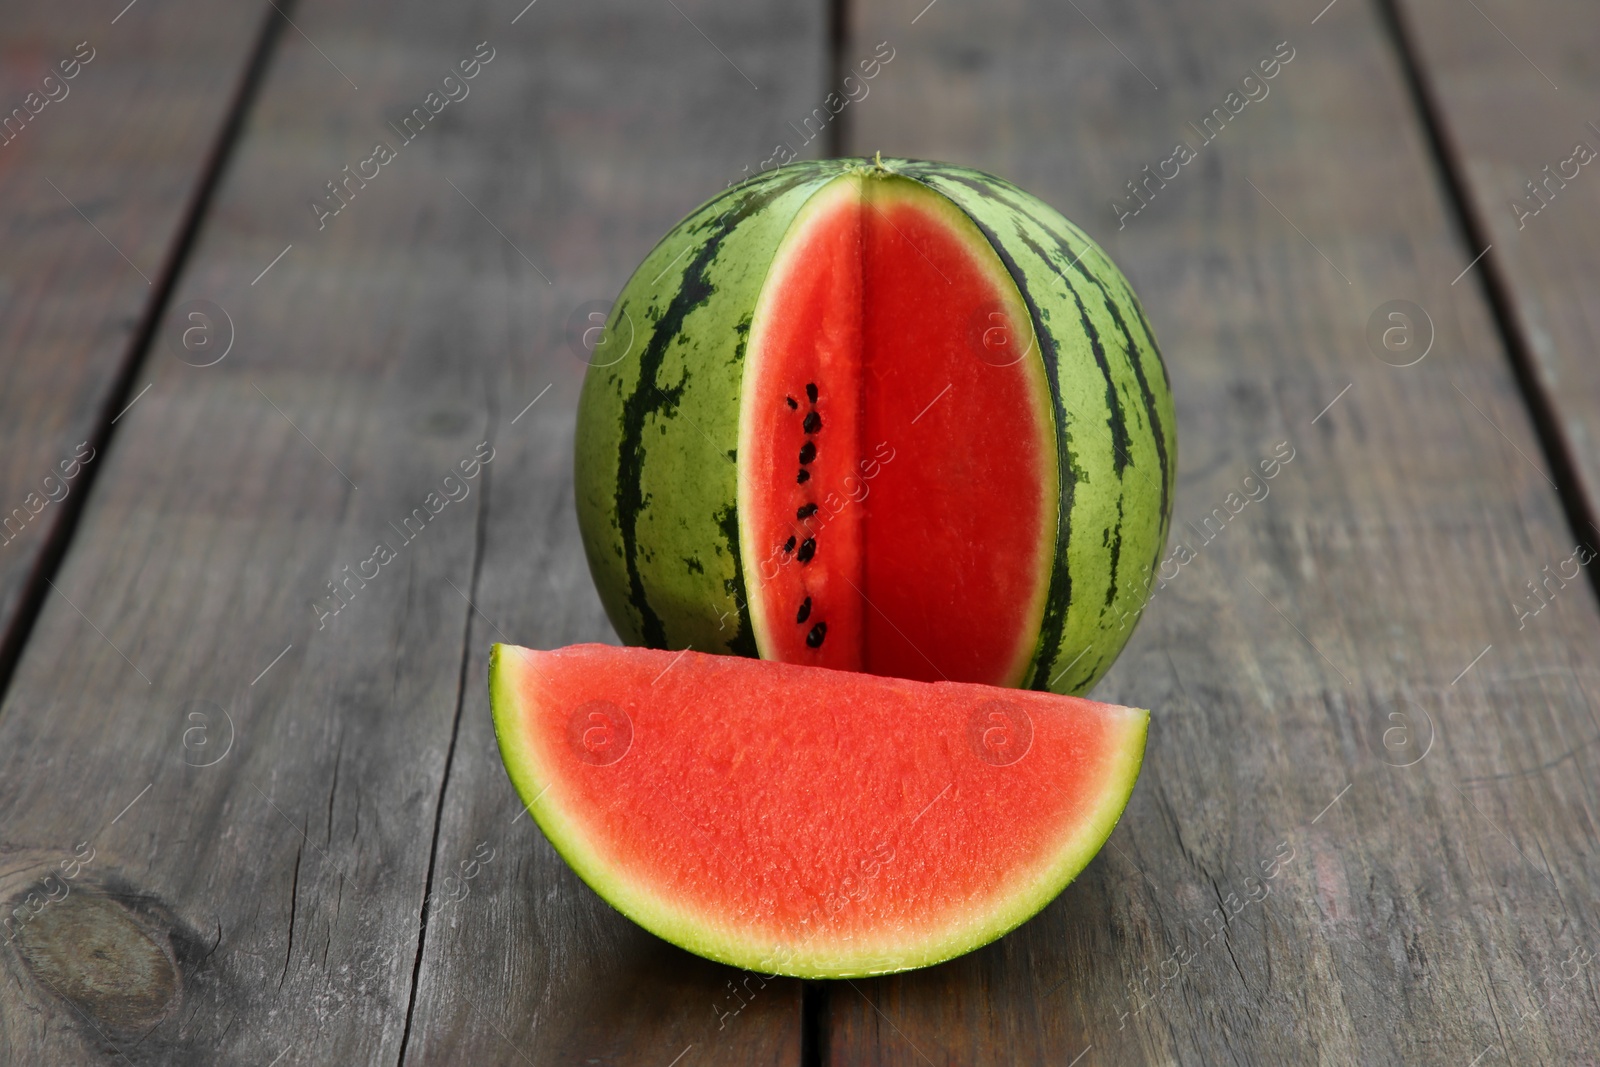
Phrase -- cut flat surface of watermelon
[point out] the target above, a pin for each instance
(803, 821)
(900, 495)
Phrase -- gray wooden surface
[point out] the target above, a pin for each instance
(243, 827)
(1514, 94)
(1321, 637)
(102, 168)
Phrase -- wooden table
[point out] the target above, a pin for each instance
(285, 834)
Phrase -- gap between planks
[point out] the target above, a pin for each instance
(1580, 511)
(30, 602)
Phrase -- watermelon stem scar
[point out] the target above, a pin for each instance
(804, 821)
(806, 326)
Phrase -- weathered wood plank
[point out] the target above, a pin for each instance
(282, 808)
(1514, 92)
(529, 955)
(108, 124)
(1356, 619)
(281, 762)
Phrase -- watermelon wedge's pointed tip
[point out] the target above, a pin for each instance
(499, 652)
(804, 821)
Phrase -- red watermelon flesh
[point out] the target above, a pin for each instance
(898, 479)
(806, 821)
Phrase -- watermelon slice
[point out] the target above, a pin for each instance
(804, 821)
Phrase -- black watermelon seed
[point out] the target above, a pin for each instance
(808, 548)
(805, 611)
(806, 511)
(818, 632)
(803, 477)
(788, 546)
(808, 452)
(790, 401)
(813, 422)
(811, 392)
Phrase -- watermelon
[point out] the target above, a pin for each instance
(885, 416)
(805, 821)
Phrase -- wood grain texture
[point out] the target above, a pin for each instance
(1516, 91)
(222, 807)
(98, 172)
(1345, 696)
(650, 123)
(234, 790)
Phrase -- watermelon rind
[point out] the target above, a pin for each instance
(1116, 431)
(656, 459)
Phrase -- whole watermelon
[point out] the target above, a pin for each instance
(879, 415)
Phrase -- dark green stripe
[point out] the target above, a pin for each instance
(651, 398)
(985, 197)
(1152, 407)
(743, 641)
(1074, 261)
(1114, 536)
(1058, 598)
(1116, 421)
(1135, 359)
(1168, 466)
(1166, 462)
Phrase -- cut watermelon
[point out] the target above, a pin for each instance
(804, 821)
(889, 416)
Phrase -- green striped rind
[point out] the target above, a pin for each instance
(656, 477)
(1116, 432)
(658, 428)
